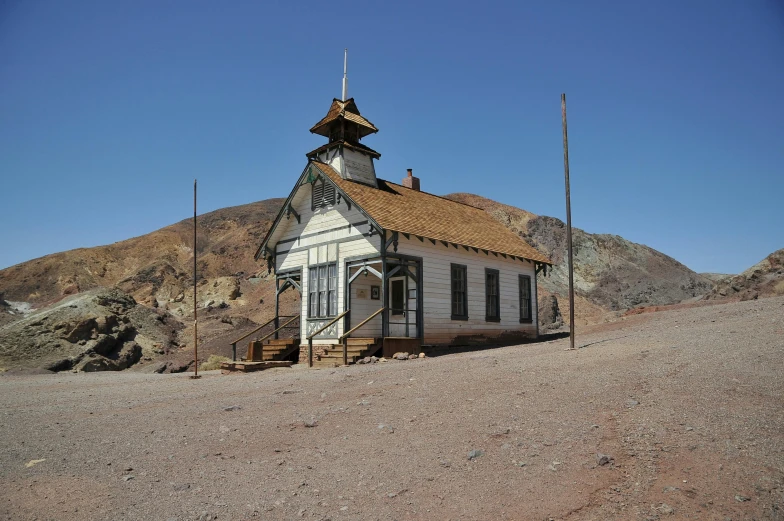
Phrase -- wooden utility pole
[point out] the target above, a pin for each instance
(568, 223)
(195, 301)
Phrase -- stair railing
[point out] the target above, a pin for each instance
(243, 337)
(265, 337)
(310, 338)
(265, 324)
(344, 337)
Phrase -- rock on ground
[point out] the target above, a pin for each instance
(98, 330)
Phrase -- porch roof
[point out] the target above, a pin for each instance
(404, 210)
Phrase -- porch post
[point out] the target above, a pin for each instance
(346, 297)
(385, 313)
(277, 304)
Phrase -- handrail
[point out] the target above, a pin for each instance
(310, 338)
(243, 337)
(345, 335)
(281, 327)
(329, 324)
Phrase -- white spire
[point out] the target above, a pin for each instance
(345, 74)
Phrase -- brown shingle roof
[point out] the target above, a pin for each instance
(348, 110)
(397, 208)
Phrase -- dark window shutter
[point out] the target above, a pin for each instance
(492, 297)
(459, 292)
(525, 299)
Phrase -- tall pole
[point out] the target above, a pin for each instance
(195, 305)
(345, 74)
(568, 223)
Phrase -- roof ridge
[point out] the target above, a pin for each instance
(434, 195)
(395, 207)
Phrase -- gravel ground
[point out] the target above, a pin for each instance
(686, 404)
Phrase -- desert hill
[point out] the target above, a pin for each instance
(158, 264)
(764, 279)
(236, 293)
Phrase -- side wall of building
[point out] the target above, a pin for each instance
(440, 328)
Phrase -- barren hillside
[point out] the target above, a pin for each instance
(764, 279)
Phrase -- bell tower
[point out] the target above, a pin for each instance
(344, 127)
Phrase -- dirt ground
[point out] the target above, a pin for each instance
(687, 404)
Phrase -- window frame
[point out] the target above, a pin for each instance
(521, 279)
(497, 274)
(318, 289)
(464, 269)
(393, 311)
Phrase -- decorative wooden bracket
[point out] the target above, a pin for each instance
(339, 196)
(372, 231)
(541, 267)
(289, 282)
(290, 210)
(393, 241)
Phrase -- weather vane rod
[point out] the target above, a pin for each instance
(345, 74)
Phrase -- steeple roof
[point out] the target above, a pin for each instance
(347, 111)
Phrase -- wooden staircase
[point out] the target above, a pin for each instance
(272, 349)
(357, 348)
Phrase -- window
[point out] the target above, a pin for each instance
(492, 299)
(459, 293)
(323, 194)
(322, 291)
(525, 299)
(398, 293)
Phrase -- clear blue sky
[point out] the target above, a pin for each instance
(109, 110)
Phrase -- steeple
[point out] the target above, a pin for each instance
(344, 127)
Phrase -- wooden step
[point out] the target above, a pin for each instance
(275, 350)
(280, 341)
(362, 341)
(350, 349)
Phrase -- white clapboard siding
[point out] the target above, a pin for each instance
(437, 291)
(292, 260)
(319, 221)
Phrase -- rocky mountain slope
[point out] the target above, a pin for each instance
(98, 330)
(236, 293)
(764, 279)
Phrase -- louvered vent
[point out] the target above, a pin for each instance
(329, 195)
(323, 194)
(318, 194)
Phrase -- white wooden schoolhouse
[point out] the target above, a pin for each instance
(385, 267)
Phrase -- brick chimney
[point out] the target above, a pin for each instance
(410, 181)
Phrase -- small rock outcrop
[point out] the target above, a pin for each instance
(549, 314)
(99, 330)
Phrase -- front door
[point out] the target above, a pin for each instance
(402, 307)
